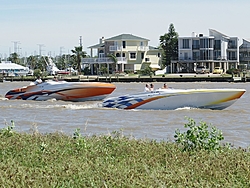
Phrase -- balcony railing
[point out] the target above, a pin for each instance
(232, 46)
(115, 48)
(244, 58)
(143, 48)
(102, 60)
(232, 58)
(196, 47)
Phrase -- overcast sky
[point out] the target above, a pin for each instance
(55, 26)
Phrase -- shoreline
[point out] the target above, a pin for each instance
(139, 78)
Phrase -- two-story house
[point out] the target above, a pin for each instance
(215, 50)
(133, 53)
(245, 53)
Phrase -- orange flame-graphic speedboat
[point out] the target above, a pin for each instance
(171, 99)
(62, 90)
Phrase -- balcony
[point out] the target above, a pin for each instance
(232, 46)
(142, 48)
(182, 58)
(103, 60)
(115, 48)
(232, 58)
(244, 58)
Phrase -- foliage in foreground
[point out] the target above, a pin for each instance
(57, 160)
(199, 137)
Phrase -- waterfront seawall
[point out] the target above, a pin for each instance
(127, 79)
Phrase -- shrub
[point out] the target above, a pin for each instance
(8, 131)
(199, 137)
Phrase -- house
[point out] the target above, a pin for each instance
(12, 69)
(132, 53)
(215, 50)
(245, 53)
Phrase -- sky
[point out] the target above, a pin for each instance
(54, 27)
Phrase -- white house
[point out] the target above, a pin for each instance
(215, 50)
(245, 53)
(12, 69)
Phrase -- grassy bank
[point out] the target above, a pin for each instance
(57, 160)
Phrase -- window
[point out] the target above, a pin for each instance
(232, 44)
(147, 59)
(142, 55)
(132, 55)
(196, 44)
(124, 44)
(185, 43)
(217, 44)
(123, 54)
(185, 56)
(206, 55)
(196, 55)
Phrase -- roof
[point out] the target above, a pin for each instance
(8, 65)
(153, 48)
(127, 37)
(217, 32)
(97, 46)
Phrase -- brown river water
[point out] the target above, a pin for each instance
(92, 119)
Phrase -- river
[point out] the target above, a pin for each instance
(92, 119)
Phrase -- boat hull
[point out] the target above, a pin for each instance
(171, 99)
(67, 91)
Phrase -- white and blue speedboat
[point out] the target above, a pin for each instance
(171, 99)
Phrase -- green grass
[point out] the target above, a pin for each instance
(58, 160)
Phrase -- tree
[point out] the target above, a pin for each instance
(114, 59)
(14, 58)
(169, 45)
(32, 61)
(78, 54)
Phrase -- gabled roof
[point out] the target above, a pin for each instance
(122, 37)
(97, 46)
(126, 37)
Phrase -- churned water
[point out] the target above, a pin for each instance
(91, 118)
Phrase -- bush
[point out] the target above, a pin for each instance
(37, 72)
(233, 71)
(199, 137)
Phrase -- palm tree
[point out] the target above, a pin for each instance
(78, 54)
(32, 61)
(114, 59)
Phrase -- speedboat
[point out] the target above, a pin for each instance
(62, 90)
(171, 99)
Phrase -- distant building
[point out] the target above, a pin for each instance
(215, 50)
(11, 69)
(245, 53)
(133, 53)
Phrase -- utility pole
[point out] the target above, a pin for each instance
(40, 49)
(81, 41)
(15, 46)
(61, 50)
